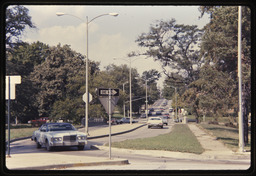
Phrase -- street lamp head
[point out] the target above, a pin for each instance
(113, 14)
(60, 13)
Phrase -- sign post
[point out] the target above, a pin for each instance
(109, 98)
(9, 100)
(10, 86)
(109, 121)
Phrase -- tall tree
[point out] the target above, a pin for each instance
(151, 76)
(54, 77)
(17, 19)
(219, 47)
(211, 94)
(21, 61)
(176, 47)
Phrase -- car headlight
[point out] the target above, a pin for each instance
(81, 137)
(56, 139)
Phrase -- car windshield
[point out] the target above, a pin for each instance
(155, 119)
(60, 127)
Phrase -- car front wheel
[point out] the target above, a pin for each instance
(80, 147)
(47, 145)
(38, 145)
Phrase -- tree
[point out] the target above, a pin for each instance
(211, 94)
(21, 61)
(17, 19)
(114, 77)
(176, 47)
(152, 76)
(58, 78)
(219, 47)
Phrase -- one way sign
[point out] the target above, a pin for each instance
(105, 92)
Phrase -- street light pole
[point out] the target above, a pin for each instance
(240, 115)
(124, 101)
(86, 79)
(147, 99)
(87, 61)
(130, 91)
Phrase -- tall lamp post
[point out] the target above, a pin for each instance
(87, 60)
(130, 80)
(124, 102)
(240, 114)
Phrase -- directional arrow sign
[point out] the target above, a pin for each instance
(105, 92)
(13, 81)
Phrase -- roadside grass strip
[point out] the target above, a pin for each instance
(180, 139)
(20, 133)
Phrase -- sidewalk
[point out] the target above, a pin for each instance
(52, 160)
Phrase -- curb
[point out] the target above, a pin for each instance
(94, 137)
(59, 166)
(114, 134)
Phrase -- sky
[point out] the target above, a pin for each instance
(109, 37)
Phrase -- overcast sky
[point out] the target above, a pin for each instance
(109, 37)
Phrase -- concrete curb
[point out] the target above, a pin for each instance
(114, 134)
(94, 137)
(59, 166)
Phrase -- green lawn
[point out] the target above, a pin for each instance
(180, 139)
(228, 135)
(22, 130)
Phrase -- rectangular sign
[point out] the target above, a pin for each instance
(13, 81)
(105, 92)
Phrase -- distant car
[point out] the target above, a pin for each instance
(155, 122)
(143, 116)
(151, 109)
(166, 115)
(165, 120)
(113, 121)
(158, 112)
(53, 135)
(125, 120)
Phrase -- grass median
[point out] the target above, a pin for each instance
(180, 139)
(21, 131)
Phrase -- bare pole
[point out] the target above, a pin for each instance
(240, 114)
(9, 100)
(130, 91)
(86, 79)
(147, 99)
(109, 120)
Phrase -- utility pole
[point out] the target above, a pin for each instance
(240, 115)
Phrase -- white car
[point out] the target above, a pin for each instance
(155, 122)
(53, 135)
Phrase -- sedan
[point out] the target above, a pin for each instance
(53, 135)
(155, 122)
(126, 120)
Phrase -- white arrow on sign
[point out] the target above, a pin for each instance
(13, 81)
(90, 97)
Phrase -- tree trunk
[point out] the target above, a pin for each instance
(245, 120)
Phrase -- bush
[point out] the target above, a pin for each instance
(213, 122)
